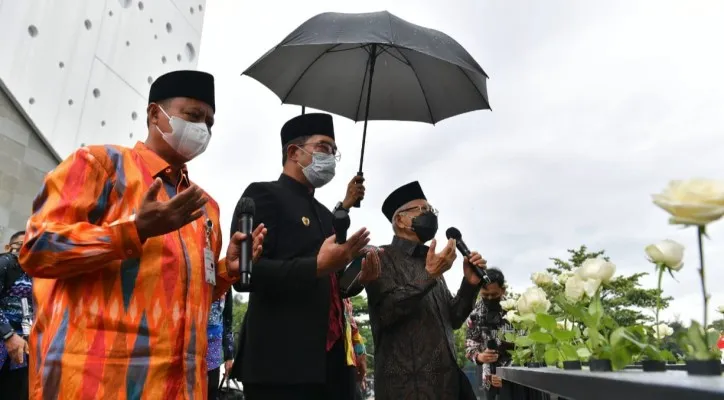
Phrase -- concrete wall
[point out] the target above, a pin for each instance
(24, 161)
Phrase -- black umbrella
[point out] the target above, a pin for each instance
(335, 62)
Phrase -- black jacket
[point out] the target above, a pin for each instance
(288, 314)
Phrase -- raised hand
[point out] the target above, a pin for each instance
(355, 192)
(370, 270)
(437, 263)
(156, 218)
(333, 257)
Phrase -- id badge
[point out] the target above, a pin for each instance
(209, 267)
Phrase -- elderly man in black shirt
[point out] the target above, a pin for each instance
(295, 306)
(412, 312)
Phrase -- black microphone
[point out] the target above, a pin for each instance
(454, 233)
(492, 345)
(340, 224)
(246, 208)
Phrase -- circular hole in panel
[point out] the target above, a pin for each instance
(70, 102)
(128, 43)
(191, 10)
(134, 115)
(96, 93)
(201, 8)
(190, 52)
(169, 28)
(163, 59)
(140, 5)
(155, 36)
(149, 80)
(130, 135)
(178, 57)
(103, 123)
(125, 3)
(110, 13)
(31, 100)
(150, 20)
(88, 24)
(61, 65)
(33, 31)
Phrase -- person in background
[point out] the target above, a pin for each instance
(412, 312)
(356, 351)
(16, 315)
(486, 322)
(129, 252)
(221, 342)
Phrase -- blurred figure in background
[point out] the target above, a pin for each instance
(486, 323)
(16, 316)
(356, 352)
(221, 342)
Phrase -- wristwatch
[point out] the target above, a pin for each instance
(339, 207)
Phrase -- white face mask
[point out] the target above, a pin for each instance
(188, 139)
(321, 170)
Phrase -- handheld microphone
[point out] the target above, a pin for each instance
(454, 233)
(341, 225)
(246, 208)
(492, 345)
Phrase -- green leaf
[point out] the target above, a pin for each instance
(551, 356)
(583, 352)
(523, 341)
(540, 337)
(569, 352)
(546, 322)
(712, 339)
(509, 337)
(620, 358)
(696, 338)
(563, 335)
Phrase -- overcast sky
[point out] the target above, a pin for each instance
(596, 105)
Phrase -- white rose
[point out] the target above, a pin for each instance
(508, 304)
(562, 278)
(512, 317)
(720, 309)
(541, 278)
(692, 202)
(585, 332)
(666, 252)
(533, 300)
(574, 288)
(590, 286)
(596, 268)
(662, 330)
(566, 325)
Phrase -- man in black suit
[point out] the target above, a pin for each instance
(295, 305)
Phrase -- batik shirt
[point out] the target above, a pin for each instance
(354, 342)
(476, 339)
(221, 339)
(117, 318)
(11, 313)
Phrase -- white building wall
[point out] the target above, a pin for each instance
(76, 72)
(81, 69)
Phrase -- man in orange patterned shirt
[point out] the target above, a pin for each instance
(127, 252)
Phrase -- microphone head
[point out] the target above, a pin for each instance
(453, 233)
(246, 206)
(340, 222)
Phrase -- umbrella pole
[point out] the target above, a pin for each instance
(303, 109)
(372, 60)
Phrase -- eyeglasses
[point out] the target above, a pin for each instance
(15, 246)
(421, 209)
(326, 148)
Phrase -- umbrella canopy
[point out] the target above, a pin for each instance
(416, 73)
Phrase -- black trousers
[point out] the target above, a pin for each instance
(213, 389)
(13, 383)
(339, 383)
